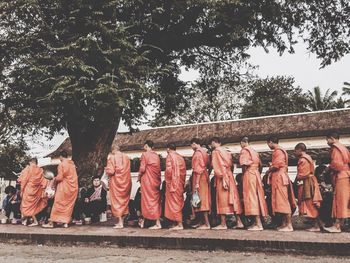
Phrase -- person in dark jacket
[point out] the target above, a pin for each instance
(12, 202)
(95, 201)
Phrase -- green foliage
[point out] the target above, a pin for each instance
(273, 96)
(346, 91)
(67, 62)
(317, 101)
(91, 62)
(83, 65)
(13, 158)
(216, 95)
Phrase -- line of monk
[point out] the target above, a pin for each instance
(227, 197)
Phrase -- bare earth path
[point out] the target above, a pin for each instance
(11, 253)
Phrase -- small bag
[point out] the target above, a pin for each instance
(50, 192)
(196, 201)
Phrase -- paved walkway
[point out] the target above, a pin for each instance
(106, 254)
(229, 240)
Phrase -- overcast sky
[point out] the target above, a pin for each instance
(303, 66)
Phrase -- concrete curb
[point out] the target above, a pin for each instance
(185, 243)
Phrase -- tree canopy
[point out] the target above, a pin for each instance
(273, 96)
(84, 65)
(318, 101)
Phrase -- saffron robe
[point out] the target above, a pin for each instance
(282, 195)
(66, 192)
(340, 158)
(118, 169)
(150, 175)
(227, 200)
(33, 186)
(200, 161)
(309, 195)
(175, 177)
(253, 191)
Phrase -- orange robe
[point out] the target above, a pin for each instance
(281, 188)
(200, 160)
(340, 158)
(33, 186)
(308, 199)
(175, 177)
(118, 169)
(66, 192)
(253, 191)
(227, 200)
(150, 185)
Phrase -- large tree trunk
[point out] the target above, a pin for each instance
(91, 144)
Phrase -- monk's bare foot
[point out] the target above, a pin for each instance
(286, 229)
(280, 227)
(203, 227)
(220, 227)
(332, 229)
(256, 228)
(65, 225)
(34, 224)
(155, 227)
(314, 229)
(48, 225)
(24, 222)
(118, 226)
(239, 226)
(321, 224)
(177, 228)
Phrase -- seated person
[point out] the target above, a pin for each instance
(137, 206)
(276, 219)
(187, 212)
(43, 216)
(247, 220)
(79, 207)
(95, 201)
(165, 221)
(12, 203)
(213, 216)
(324, 180)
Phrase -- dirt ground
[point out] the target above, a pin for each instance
(10, 253)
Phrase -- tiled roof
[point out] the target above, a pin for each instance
(299, 125)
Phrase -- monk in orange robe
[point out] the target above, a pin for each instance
(309, 195)
(150, 179)
(201, 183)
(253, 191)
(118, 169)
(339, 166)
(66, 192)
(33, 186)
(227, 196)
(175, 177)
(282, 198)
